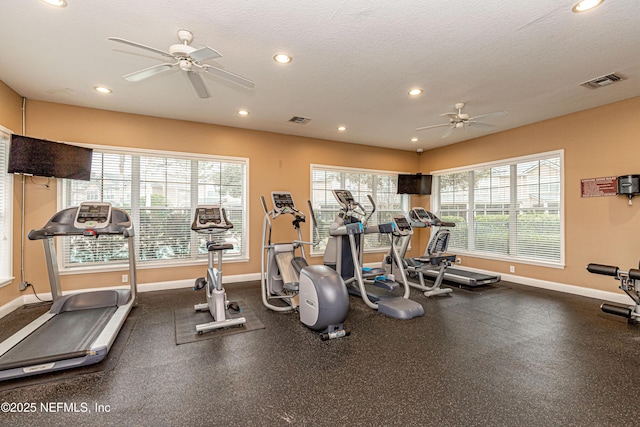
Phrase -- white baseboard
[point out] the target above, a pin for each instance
(143, 287)
(615, 297)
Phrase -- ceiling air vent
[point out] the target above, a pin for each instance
(603, 81)
(299, 120)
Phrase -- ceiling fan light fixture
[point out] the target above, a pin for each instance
(282, 58)
(585, 5)
(56, 3)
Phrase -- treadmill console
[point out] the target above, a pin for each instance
(421, 215)
(208, 217)
(282, 201)
(93, 215)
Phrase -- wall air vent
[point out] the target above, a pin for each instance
(299, 120)
(603, 81)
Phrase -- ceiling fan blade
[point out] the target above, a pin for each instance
(494, 114)
(452, 116)
(229, 76)
(148, 72)
(198, 84)
(205, 53)
(483, 126)
(433, 126)
(448, 132)
(141, 46)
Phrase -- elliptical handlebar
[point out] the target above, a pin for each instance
(314, 225)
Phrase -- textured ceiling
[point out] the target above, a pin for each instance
(353, 61)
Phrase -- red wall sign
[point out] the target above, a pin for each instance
(598, 187)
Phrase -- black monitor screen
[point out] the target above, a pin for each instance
(39, 157)
(414, 184)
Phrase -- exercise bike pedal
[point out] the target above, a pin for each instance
(233, 306)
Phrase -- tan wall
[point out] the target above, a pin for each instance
(599, 142)
(276, 162)
(11, 118)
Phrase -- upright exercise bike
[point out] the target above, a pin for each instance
(212, 221)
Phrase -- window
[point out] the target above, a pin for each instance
(380, 185)
(160, 191)
(512, 209)
(6, 194)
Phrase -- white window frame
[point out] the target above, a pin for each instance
(436, 205)
(200, 258)
(404, 198)
(6, 211)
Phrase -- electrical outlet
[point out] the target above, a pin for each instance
(125, 278)
(458, 260)
(512, 269)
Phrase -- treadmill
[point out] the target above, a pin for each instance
(79, 329)
(423, 218)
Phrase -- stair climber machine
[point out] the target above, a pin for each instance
(317, 292)
(435, 257)
(212, 221)
(629, 283)
(439, 242)
(79, 329)
(344, 253)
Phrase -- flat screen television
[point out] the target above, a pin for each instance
(39, 157)
(414, 184)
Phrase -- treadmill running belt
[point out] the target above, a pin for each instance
(64, 334)
(465, 277)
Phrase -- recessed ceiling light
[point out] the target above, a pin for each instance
(282, 58)
(102, 89)
(584, 5)
(415, 92)
(342, 128)
(56, 3)
(243, 112)
(414, 139)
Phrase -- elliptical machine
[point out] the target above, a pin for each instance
(315, 291)
(627, 284)
(345, 252)
(211, 220)
(435, 257)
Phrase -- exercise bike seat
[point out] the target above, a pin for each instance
(219, 246)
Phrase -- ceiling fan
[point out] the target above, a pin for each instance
(188, 59)
(460, 120)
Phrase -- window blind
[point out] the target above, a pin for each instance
(510, 209)
(161, 193)
(381, 185)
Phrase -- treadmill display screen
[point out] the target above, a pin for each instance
(421, 214)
